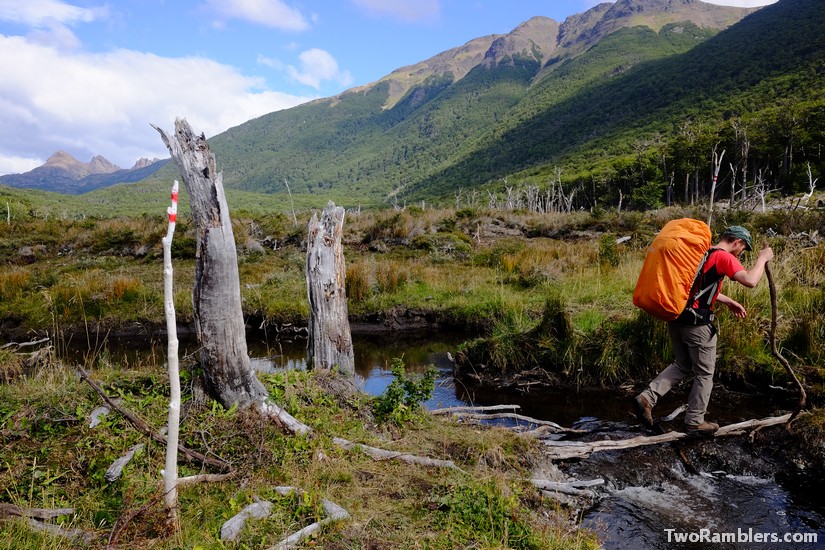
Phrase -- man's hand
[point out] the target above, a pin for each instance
(737, 308)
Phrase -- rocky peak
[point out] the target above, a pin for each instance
(67, 165)
(579, 32)
(100, 165)
(144, 162)
(62, 159)
(535, 39)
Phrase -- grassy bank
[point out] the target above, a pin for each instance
(52, 458)
(505, 275)
(550, 292)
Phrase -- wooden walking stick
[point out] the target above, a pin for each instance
(802, 396)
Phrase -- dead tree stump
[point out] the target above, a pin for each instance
(330, 341)
(216, 296)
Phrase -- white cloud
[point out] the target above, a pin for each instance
(17, 165)
(50, 20)
(57, 35)
(403, 10)
(270, 13)
(42, 13)
(90, 104)
(318, 66)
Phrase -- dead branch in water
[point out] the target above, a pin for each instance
(452, 410)
(562, 450)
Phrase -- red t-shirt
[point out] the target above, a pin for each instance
(720, 264)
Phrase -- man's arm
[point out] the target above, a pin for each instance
(737, 308)
(752, 276)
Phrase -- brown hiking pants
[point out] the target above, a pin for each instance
(695, 350)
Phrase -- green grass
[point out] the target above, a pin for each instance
(56, 460)
(554, 293)
(92, 275)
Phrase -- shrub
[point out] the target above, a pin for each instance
(403, 397)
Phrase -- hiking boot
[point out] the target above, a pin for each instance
(644, 412)
(705, 428)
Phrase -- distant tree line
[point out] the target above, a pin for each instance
(778, 151)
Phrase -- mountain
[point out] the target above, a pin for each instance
(62, 173)
(458, 120)
(616, 103)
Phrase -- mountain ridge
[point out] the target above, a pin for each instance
(62, 173)
(368, 138)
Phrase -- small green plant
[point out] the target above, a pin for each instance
(481, 513)
(404, 395)
(608, 251)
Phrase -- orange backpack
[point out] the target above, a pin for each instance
(672, 264)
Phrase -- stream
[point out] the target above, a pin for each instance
(739, 500)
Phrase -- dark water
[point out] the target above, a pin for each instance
(649, 500)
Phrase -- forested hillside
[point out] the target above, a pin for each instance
(623, 105)
(638, 111)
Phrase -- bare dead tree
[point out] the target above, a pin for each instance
(811, 186)
(511, 198)
(716, 160)
(762, 189)
(733, 172)
(330, 341)
(291, 203)
(492, 200)
(216, 295)
(670, 190)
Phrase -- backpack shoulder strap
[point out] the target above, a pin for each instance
(695, 292)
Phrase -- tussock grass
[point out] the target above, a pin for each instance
(58, 461)
(471, 268)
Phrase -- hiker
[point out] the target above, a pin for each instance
(694, 335)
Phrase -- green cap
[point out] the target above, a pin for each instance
(739, 232)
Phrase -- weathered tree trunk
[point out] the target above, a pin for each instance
(330, 341)
(216, 295)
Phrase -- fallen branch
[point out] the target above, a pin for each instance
(774, 349)
(451, 410)
(7, 510)
(563, 450)
(204, 478)
(232, 528)
(575, 488)
(142, 425)
(381, 454)
(18, 345)
(77, 535)
(552, 426)
(275, 413)
(114, 471)
(333, 513)
(679, 410)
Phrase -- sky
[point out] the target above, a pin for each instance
(90, 77)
